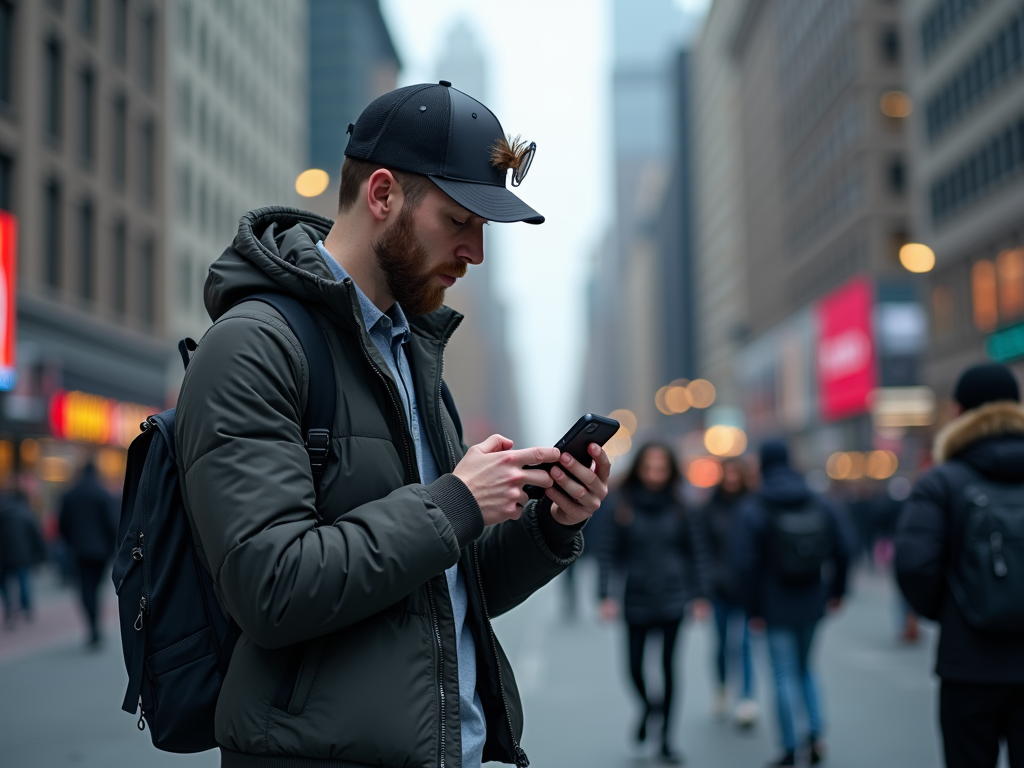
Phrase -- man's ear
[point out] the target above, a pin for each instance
(383, 194)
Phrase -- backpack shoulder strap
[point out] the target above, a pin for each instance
(318, 417)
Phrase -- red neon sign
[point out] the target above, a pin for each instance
(846, 350)
(8, 299)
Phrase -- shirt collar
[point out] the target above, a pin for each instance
(372, 316)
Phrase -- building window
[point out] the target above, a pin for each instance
(120, 267)
(1010, 270)
(87, 17)
(120, 32)
(185, 192)
(52, 221)
(86, 117)
(897, 176)
(185, 107)
(147, 162)
(942, 310)
(185, 282)
(148, 51)
(6, 183)
(942, 20)
(185, 26)
(53, 60)
(890, 44)
(983, 295)
(119, 136)
(989, 165)
(6, 51)
(87, 253)
(147, 277)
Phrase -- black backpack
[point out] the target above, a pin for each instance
(800, 541)
(987, 579)
(176, 638)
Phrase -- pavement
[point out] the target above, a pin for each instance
(60, 703)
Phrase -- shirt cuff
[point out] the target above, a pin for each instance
(457, 504)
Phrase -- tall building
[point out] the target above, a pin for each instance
(720, 313)
(82, 137)
(237, 138)
(641, 282)
(965, 67)
(831, 314)
(478, 367)
(352, 61)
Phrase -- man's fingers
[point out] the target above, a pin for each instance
(604, 464)
(574, 490)
(584, 474)
(495, 444)
(527, 456)
(537, 477)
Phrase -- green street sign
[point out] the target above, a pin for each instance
(1006, 344)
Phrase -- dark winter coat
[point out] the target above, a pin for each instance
(718, 519)
(88, 518)
(765, 594)
(348, 648)
(990, 439)
(661, 551)
(21, 542)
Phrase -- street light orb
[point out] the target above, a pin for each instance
(312, 182)
(896, 104)
(917, 258)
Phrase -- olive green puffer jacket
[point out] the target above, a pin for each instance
(348, 650)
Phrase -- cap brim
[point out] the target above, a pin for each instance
(488, 201)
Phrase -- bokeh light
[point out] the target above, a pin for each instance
(723, 440)
(853, 465)
(896, 104)
(626, 418)
(917, 257)
(704, 472)
(702, 393)
(312, 182)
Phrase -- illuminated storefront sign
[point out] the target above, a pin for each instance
(86, 418)
(845, 348)
(8, 299)
(1006, 345)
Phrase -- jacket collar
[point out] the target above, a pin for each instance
(1004, 417)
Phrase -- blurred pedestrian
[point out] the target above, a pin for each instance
(960, 562)
(88, 523)
(718, 518)
(21, 548)
(786, 539)
(661, 551)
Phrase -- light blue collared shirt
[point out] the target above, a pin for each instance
(389, 332)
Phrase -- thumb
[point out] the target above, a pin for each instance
(495, 444)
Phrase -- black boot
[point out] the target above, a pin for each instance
(645, 715)
(786, 759)
(669, 756)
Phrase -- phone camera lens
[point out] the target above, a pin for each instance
(592, 428)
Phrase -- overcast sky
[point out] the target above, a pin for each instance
(549, 65)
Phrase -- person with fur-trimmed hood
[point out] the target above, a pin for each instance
(979, 458)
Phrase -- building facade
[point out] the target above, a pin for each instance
(831, 315)
(82, 137)
(237, 79)
(965, 68)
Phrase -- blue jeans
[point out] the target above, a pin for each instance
(24, 579)
(724, 611)
(790, 651)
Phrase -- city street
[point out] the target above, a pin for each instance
(59, 704)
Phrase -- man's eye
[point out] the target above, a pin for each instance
(456, 222)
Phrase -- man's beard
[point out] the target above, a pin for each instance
(401, 258)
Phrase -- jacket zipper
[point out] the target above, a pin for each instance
(522, 761)
(440, 399)
(430, 589)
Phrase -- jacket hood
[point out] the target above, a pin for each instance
(783, 486)
(990, 438)
(275, 251)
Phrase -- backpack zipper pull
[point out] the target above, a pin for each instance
(137, 551)
(141, 725)
(142, 610)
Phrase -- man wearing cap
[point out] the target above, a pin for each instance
(960, 528)
(366, 636)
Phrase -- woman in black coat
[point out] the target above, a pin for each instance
(661, 552)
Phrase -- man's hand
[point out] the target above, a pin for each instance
(609, 609)
(574, 501)
(495, 476)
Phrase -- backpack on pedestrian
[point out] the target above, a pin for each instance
(176, 637)
(987, 579)
(800, 540)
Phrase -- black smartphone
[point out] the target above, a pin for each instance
(590, 428)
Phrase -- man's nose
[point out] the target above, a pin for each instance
(472, 251)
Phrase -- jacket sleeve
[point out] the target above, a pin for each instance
(516, 557)
(747, 555)
(921, 545)
(250, 492)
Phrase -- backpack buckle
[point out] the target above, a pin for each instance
(318, 445)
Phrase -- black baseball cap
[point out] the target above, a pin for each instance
(439, 132)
